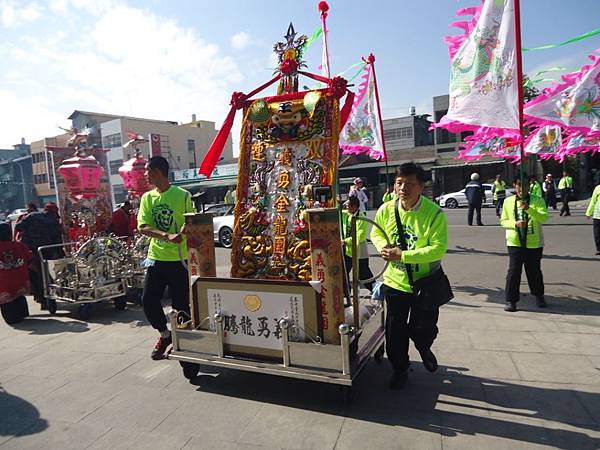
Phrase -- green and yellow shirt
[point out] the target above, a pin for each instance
(536, 215)
(426, 233)
(164, 211)
(593, 209)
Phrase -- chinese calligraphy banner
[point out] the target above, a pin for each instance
(327, 269)
(289, 146)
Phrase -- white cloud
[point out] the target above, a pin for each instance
(240, 40)
(13, 14)
(131, 63)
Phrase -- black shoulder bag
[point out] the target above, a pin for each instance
(434, 290)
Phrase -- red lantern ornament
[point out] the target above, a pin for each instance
(133, 173)
(82, 175)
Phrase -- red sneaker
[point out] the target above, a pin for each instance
(160, 348)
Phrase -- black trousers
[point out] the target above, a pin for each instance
(364, 271)
(499, 204)
(550, 198)
(476, 208)
(531, 258)
(404, 321)
(159, 276)
(565, 195)
(596, 227)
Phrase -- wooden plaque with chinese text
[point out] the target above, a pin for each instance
(252, 310)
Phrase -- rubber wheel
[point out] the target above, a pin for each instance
(451, 203)
(225, 237)
(378, 356)
(84, 311)
(51, 305)
(190, 370)
(120, 303)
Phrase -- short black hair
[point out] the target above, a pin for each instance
(411, 168)
(5, 231)
(517, 178)
(160, 163)
(354, 201)
(32, 206)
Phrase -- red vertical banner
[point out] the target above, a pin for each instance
(155, 145)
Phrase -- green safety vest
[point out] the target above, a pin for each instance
(499, 189)
(536, 215)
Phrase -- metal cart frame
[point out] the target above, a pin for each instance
(326, 363)
(82, 295)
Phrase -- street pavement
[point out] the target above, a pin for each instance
(529, 379)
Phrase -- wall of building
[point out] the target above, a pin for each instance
(184, 146)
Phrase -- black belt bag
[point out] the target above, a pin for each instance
(431, 291)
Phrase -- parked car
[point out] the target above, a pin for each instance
(456, 199)
(222, 223)
(13, 216)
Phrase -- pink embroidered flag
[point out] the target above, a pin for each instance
(546, 142)
(362, 133)
(574, 103)
(483, 86)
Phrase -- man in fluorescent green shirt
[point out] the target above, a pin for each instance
(426, 234)
(593, 211)
(565, 186)
(535, 188)
(388, 195)
(499, 190)
(523, 218)
(160, 217)
(362, 229)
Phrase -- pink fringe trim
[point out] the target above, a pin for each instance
(455, 42)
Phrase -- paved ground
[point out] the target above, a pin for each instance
(525, 380)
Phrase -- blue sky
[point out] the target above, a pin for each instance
(167, 59)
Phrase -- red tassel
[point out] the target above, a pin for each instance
(323, 7)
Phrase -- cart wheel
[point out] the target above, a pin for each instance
(51, 305)
(378, 356)
(190, 370)
(347, 394)
(120, 303)
(84, 311)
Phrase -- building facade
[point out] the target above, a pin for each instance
(16, 178)
(184, 146)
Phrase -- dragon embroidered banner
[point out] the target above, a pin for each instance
(362, 134)
(483, 85)
(288, 148)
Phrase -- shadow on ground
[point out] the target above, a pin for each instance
(448, 402)
(475, 251)
(572, 305)
(47, 325)
(18, 417)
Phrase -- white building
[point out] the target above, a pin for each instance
(184, 146)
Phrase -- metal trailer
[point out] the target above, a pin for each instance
(137, 252)
(327, 363)
(93, 273)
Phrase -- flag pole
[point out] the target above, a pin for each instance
(519, 55)
(323, 8)
(371, 61)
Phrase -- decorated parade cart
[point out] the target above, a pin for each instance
(90, 268)
(284, 310)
